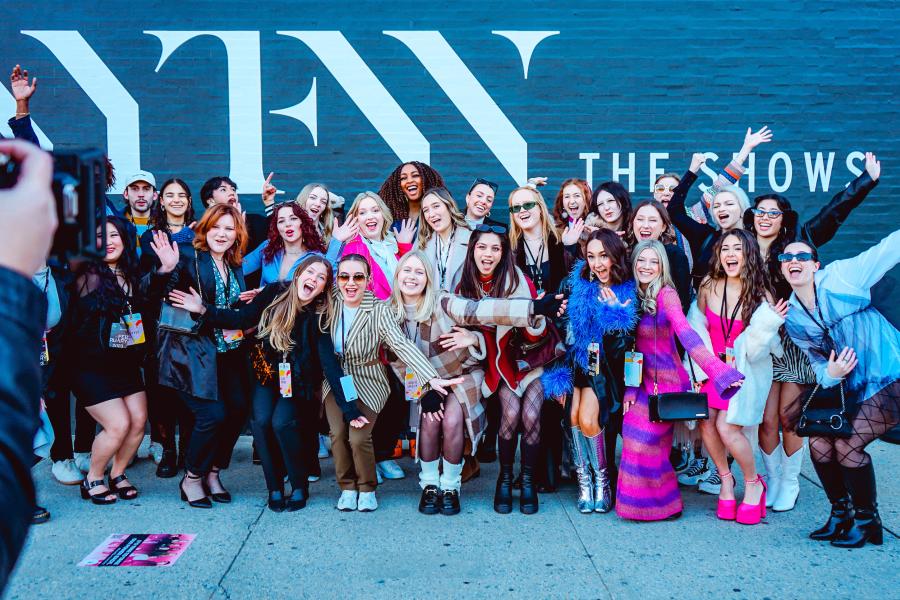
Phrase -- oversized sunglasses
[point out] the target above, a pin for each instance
(664, 188)
(517, 208)
(345, 277)
(498, 229)
(799, 257)
(772, 214)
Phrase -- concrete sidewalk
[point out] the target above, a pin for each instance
(243, 550)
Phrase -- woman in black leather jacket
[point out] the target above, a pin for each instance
(208, 367)
(775, 225)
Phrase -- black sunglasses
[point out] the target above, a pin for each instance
(772, 214)
(481, 181)
(516, 208)
(498, 229)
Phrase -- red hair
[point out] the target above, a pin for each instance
(235, 254)
(559, 209)
(308, 232)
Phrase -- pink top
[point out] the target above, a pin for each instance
(717, 329)
(378, 285)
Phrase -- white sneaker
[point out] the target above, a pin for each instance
(697, 470)
(155, 452)
(367, 502)
(312, 478)
(83, 461)
(348, 500)
(323, 447)
(711, 483)
(66, 472)
(143, 450)
(389, 469)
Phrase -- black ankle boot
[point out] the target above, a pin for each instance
(841, 518)
(503, 492)
(528, 500)
(168, 464)
(866, 525)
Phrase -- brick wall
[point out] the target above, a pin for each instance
(620, 77)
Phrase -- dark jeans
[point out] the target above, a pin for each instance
(393, 420)
(167, 411)
(218, 423)
(59, 410)
(285, 431)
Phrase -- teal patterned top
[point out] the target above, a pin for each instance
(227, 295)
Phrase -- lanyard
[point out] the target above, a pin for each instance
(536, 264)
(725, 322)
(47, 281)
(414, 335)
(227, 282)
(343, 333)
(829, 341)
(444, 258)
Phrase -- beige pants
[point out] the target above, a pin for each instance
(354, 456)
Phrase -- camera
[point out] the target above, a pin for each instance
(79, 186)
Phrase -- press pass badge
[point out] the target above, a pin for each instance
(593, 358)
(634, 369)
(119, 336)
(284, 379)
(135, 328)
(729, 356)
(232, 335)
(412, 386)
(45, 351)
(349, 388)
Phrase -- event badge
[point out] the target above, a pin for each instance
(349, 388)
(45, 351)
(412, 386)
(135, 328)
(593, 358)
(729, 357)
(119, 336)
(634, 368)
(284, 379)
(232, 335)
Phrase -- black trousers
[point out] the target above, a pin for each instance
(286, 434)
(218, 423)
(393, 420)
(59, 410)
(167, 412)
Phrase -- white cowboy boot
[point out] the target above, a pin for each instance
(790, 485)
(773, 473)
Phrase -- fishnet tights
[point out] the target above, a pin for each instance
(527, 408)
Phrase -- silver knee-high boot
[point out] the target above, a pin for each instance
(582, 471)
(596, 451)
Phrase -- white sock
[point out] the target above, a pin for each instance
(451, 479)
(429, 474)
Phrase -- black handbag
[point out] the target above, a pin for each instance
(829, 421)
(180, 320)
(671, 407)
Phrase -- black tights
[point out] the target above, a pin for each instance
(526, 409)
(876, 416)
(450, 430)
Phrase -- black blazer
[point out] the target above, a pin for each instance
(187, 363)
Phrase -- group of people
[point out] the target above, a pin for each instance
(411, 315)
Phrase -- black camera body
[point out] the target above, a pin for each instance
(79, 186)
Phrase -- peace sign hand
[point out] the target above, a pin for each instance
(269, 191)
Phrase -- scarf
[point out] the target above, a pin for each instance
(384, 253)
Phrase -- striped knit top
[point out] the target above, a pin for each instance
(656, 340)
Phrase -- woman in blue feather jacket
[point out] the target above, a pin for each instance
(599, 330)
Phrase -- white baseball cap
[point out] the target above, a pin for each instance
(142, 176)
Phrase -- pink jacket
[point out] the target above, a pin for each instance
(378, 285)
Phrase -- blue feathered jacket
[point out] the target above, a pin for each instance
(588, 320)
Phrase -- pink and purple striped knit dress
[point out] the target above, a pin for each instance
(648, 490)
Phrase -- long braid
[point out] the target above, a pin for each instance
(393, 195)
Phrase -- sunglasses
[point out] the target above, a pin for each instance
(498, 229)
(772, 214)
(481, 181)
(799, 257)
(356, 277)
(664, 188)
(517, 208)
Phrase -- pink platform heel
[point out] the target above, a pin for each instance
(727, 509)
(752, 514)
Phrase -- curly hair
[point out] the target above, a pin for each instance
(158, 220)
(309, 233)
(618, 254)
(393, 195)
(754, 283)
(559, 209)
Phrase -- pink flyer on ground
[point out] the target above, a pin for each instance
(139, 550)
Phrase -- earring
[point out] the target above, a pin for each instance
(592, 276)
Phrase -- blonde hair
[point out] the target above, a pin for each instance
(388, 216)
(426, 303)
(648, 296)
(426, 232)
(325, 224)
(548, 227)
(277, 320)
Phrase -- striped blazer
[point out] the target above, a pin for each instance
(373, 326)
(449, 260)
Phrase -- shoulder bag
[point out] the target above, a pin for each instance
(676, 406)
(180, 320)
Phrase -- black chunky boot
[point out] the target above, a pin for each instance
(528, 500)
(503, 492)
(866, 522)
(841, 517)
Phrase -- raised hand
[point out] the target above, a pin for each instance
(572, 233)
(697, 160)
(166, 252)
(346, 231)
(608, 296)
(781, 307)
(458, 338)
(269, 191)
(189, 301)
(19, 83)
(752, 140)
(840, 366)
(407, 231)
(536, 182)
(873, 166)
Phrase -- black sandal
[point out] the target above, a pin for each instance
(102, 498)
(198, 503)
(128, 492)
